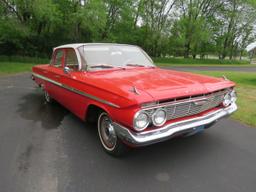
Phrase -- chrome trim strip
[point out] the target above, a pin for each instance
(170, 130)
(75, 90)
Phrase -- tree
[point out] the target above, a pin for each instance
(196, 17)
(155, 20)
(161, 27)
(237, 19)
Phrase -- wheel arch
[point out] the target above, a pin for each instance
(93, 111)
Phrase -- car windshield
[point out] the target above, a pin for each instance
(97, 57)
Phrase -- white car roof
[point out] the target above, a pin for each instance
(76, 45)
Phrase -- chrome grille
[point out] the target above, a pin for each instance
(191, 106)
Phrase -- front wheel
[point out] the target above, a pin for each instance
(108, 138)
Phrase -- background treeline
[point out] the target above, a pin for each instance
(187, 28)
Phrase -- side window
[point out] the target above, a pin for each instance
(71, 59)
(58, 58)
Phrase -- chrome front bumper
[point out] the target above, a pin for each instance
(170, 130)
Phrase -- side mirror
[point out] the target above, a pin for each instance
(67, 70)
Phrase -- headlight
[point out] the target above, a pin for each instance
(229, 98)
(141, 121)
(233, 96)
(159, 117)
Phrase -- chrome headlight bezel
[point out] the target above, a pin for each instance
(135, 119)
(229, 98)
(156, 113)
(233, 95)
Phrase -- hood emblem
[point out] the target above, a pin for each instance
(225, 78)
(134, 90)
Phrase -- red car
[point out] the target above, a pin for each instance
(133, 102)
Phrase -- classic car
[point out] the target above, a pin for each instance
(133, 102)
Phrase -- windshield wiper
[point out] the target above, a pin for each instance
(135, 65)
(102, 66)
(106, 66)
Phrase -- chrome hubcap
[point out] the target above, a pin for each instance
(107, 132)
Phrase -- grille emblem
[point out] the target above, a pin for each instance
(201, 102)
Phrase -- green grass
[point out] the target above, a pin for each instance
(197, 62)
(158, 61)
(246, 89)
(14, 67)
(18, 64)
(23, 59)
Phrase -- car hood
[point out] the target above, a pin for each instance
(154, 84)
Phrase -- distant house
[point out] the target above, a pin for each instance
(251, 49)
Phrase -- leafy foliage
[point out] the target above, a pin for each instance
(162, 27)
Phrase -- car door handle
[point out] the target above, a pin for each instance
(45, 72)
(57, 76)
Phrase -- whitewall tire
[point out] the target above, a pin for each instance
(108, 138)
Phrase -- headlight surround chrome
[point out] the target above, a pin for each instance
(233, 96)
(159, 117)
(229, 98)
(141, 121)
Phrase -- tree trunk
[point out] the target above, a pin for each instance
(241, 53)
(223, 55)
(187, 49)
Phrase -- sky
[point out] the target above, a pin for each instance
(251, 46)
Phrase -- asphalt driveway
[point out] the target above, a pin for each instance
(44, 148)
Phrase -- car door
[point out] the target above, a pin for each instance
(70, 98)
(55, 72)
(65, 83)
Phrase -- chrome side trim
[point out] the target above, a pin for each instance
(75, 90)
(170, 130)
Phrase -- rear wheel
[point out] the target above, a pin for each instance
(108, 138)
